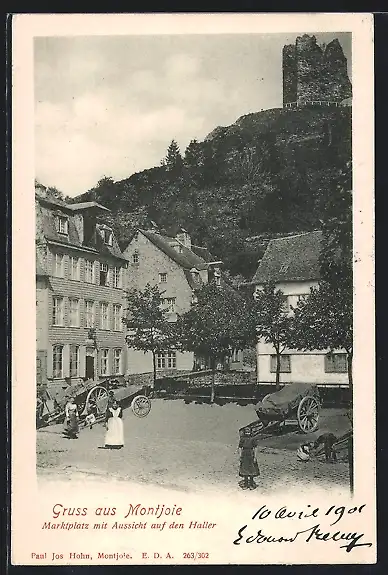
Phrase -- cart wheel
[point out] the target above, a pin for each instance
(308, 414)
(100, 395)
(141, 406)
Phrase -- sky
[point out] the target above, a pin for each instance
(110, 105)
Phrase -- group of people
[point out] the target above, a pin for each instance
(249, 468)
(114, 435)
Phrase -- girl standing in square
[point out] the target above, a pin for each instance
(248, 463)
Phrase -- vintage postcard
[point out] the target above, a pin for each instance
(193, 289)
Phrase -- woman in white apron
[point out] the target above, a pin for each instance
(114, 437)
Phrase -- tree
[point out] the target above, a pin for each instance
(219, 322)
(324, 320)
(149, 330)
(173, 160)
(272, 321)
(336, 259)
(105, 191)
(193, 155)
(50, 192)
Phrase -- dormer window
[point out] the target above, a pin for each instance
(284, 268)
(107, 236)
(195, 273)
(63, 225)
(135, 258)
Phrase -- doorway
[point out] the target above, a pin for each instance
(90, 364)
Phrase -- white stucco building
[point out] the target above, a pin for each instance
(292, 263)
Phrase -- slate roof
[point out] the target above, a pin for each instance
(50, 209)
(203, 253)
(86, 206)
(292, 258)
(188, 259)
(48, 213)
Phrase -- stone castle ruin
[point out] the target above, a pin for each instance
(314, 74)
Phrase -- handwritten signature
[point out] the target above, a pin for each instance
(312, 533)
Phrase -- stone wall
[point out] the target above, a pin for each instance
(314, 73)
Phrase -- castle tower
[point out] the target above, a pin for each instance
(314, 74)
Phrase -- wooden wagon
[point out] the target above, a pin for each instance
(294, 402)
(91, 396)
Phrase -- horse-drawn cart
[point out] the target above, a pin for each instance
(296, 401)
(91, 396)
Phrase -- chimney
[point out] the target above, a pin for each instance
(184, 238)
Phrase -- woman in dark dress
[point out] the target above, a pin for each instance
(248, 463)
(71, 421)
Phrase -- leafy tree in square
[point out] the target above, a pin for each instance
(272, 320)
(324, 320)
(148, 327)
(219, 321)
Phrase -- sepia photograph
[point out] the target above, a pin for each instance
(195, 283)
(206, 270)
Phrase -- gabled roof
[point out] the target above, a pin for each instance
(203, 253)
(292, 258)
(49, 202)
(87, 206)
(173, 230)
(187, 259)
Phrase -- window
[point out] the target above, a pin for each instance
(58, 311)
(74, 361)
(117, 315)
(256, 294)
(89, 313)
(107, 236)
(59, 266)
(135, 258)
(90, 275)
(162, 278)
(166, 360)
(116, 276)
(75, 268)
(170, 304)
(104, 274)
(104, 315)
(285, 364)
(336, 363)
(74, 312)
(58, 361)
(284, 267)
(235, 357)
(117, 361)
(104, 362)
(62, 225)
